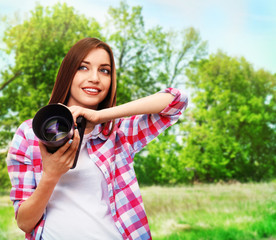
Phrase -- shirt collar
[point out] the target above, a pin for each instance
(97, 133)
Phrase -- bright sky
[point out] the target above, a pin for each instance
(238, 27)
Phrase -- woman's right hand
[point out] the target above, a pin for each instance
(54, 165)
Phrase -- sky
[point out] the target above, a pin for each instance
(240, 28)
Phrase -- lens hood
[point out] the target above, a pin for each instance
(53, 125)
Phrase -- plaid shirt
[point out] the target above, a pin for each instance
(114, 157)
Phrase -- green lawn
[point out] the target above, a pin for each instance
(207, 212)
(8, 227)
(214, 211)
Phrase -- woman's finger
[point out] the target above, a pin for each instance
(43, 149)
(68, 145)
(73, 143)
(76, 112)
(70, 153)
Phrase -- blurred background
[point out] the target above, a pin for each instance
(212, 175)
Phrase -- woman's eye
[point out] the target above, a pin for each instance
(106, 71)
(82, 68)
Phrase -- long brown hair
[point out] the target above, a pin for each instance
(69, 67)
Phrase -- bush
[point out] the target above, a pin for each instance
(4, 176)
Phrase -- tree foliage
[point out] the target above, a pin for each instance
(148, 59)
(41, 41)
(4, 177)
(159, 163)
(39, 45)
(231, 130)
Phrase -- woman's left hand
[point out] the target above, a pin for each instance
(92, 116)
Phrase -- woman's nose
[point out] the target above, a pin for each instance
(94, 77)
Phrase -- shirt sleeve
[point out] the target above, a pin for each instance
(141, 129)
(20, 167)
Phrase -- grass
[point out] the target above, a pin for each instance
(8, 226)
(200, 212)
(212, 212)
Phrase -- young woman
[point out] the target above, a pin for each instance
(100, 198)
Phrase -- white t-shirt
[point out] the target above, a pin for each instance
(79, 206)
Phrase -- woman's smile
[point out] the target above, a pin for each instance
(91, 91)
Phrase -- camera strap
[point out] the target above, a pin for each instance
(81, 124)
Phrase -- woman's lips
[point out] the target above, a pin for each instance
(91, 91)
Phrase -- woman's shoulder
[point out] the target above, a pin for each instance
(26, 124)
(23, 143)
(25, 129)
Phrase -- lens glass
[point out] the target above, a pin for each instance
(55, 129)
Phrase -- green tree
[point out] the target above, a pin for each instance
(38, 45)
(159, 163)
(148, 59)
(4, 177)
(231, 133)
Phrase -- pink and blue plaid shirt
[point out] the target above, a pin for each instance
(114, 157)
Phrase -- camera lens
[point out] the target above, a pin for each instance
(55, 129)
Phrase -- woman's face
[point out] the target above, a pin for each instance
(92, 80)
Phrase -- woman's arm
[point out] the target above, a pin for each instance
(148, 105)
(54, 165)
